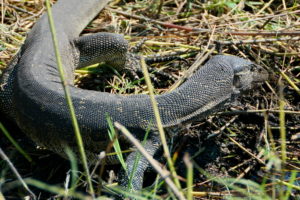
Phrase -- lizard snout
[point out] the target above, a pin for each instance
(249, 76)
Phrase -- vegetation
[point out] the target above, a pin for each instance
(251, 151)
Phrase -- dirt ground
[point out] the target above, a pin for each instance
(255, 141)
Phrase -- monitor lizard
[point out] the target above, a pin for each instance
(32, 94)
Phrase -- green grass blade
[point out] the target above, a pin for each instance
(290, 185)
(55, 189)
(137, 158)
(113, 137)
(189, 176)
(17, 146)
(68, 99)
(159, 123)
(74, 168)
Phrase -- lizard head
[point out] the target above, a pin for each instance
(247, 74)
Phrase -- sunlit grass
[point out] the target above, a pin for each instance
(278, 181)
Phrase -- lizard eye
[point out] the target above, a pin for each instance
(260, 70)
(252, 67)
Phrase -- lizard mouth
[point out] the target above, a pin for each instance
(261, 75)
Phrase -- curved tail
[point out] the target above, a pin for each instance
(74, 15)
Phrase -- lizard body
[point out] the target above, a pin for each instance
(32, 94)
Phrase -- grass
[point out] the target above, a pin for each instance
(69, 99)
(251, 156)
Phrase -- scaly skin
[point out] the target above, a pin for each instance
(32, 93)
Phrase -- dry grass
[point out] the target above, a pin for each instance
(261, 144)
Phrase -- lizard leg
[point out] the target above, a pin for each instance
(110, 48)
(138, 46)
(137, 173)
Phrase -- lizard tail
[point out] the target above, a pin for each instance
(74, 15)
